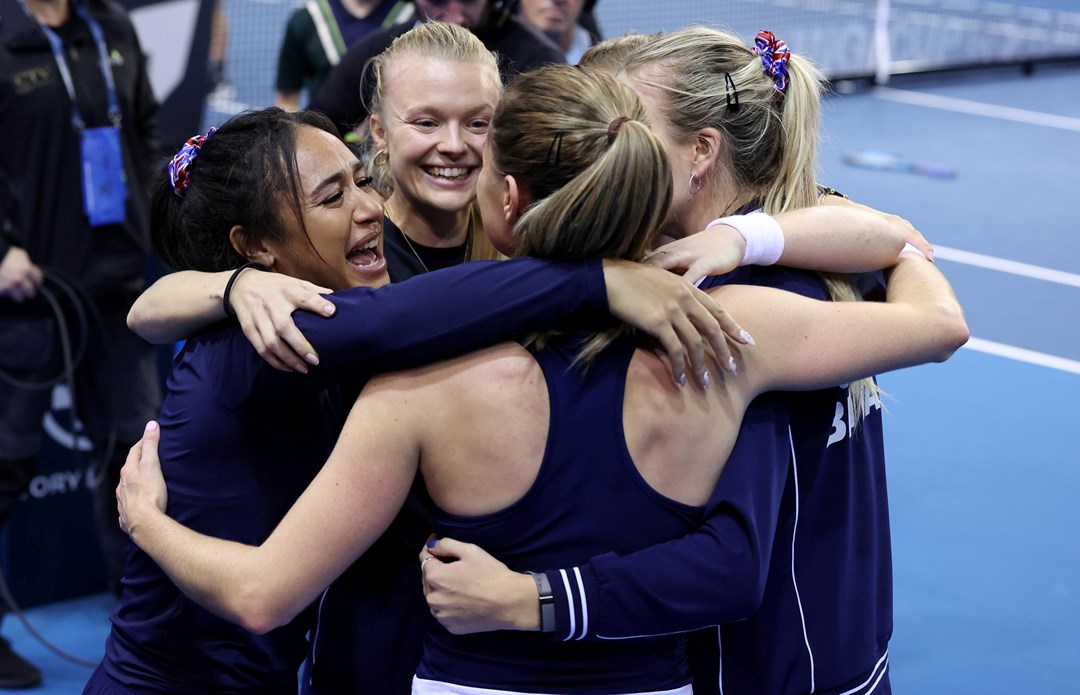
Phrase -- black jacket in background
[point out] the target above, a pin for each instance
(40, 162)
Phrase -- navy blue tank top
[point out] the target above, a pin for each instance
(588, 498)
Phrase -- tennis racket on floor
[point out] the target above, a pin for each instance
(885, 161)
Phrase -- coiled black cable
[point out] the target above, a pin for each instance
(84, 316)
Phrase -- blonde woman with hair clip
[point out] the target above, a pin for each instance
(795, 560)
(597, 450)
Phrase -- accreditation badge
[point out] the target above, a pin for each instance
(103, 182)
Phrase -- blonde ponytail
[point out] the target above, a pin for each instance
(578, 145)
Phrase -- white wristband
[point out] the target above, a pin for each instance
(763, 236)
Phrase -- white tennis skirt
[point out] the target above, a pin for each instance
(421, 686)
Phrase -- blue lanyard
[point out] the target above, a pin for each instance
(65, 73)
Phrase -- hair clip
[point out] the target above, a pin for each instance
(731, 93)
(554, 149)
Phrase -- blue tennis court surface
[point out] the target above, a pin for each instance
(983, 470)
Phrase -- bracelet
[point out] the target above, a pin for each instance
(825, 191)
(229, 285)
(547, 601)
(763, 236)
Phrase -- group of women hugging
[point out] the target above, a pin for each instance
(617, 482)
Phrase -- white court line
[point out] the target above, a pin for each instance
(977, 108)
(1020, 354)
(990, 262)
(1006, 266)
(1032, 271)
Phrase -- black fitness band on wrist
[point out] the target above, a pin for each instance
(229, 285)
(547, 601)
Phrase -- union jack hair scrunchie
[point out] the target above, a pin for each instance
(179, 176)
(774, 58)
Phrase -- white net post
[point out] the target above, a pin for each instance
(882, 56)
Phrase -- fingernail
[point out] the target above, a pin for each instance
(299, 366)
(151, 426)
(732, 366)
(747, 338)
(312, 358)
(707, 381)
(433, 542)
(682, 380)
(329, 309)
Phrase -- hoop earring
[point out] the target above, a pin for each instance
(700, 183)
(375, 160)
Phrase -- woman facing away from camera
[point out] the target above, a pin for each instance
(795, 559)
(281, 190)
(597, 450)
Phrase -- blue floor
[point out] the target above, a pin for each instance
(982, 488)
(983, 474)
(78, 628)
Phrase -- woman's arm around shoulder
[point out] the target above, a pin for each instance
(346, 508)
(837, 239)
(180, 304)
(808, 344)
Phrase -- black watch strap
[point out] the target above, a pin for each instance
(547, 601)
